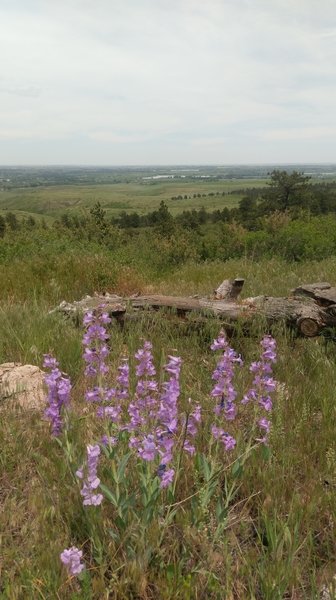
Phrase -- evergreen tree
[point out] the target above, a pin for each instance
(2, 226)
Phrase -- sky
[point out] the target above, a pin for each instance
(143, 82)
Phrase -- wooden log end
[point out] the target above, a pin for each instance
(308, 327)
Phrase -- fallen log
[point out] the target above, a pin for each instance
(309, 310)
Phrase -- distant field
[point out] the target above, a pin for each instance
(53, 201)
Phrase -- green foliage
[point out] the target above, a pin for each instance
(287, 190)
(2, 226)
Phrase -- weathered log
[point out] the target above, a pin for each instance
(302, 312)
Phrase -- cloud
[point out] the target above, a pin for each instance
(27, 91)
(154, 73)
(305, 133)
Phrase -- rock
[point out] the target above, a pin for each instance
(22, 385)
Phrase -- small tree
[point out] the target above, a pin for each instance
(164, 220)
(2, 227)
(98, 216)
(12, 221)
(287, 190)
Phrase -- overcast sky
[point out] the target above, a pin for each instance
(167, 81)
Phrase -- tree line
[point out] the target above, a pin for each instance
(289, 194)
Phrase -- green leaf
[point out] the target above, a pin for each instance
(221, 512)
(170, 496)
(108, 494)
(122, 466)
(204, 467)
(237, 469)
(265, 452)
(170, 572)
(120, 523)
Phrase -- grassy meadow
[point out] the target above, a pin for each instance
(141, 197)
(257, 522)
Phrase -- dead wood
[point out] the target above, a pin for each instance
(309, 310)
(229, 289)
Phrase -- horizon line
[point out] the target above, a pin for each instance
(163, 165)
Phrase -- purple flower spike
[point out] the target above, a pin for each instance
(147, 451)
(59, 389)
(223, 375)
(263, 383)
(145, 361)
(220, 343)
(123, 380)
(166, 475)
(49, 362)
(224, 437)
(142, 409)
(224, 390)
(71, 558)
(194, 420)
(96, 350)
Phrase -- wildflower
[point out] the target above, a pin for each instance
(108, 440)
(263, 383)
(96, 350)
(71, 558)
(224, 390)
(90, 479)
(224, 437)
(123, 380)
(142, 409)
(167, 415)
(166, 475)
(95, 354)
(193, 421)
(147, 450)
(223, 375)
(59, 388)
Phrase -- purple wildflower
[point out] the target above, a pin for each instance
(90, 479)
(59, 388)
(95, 354)
(96, 350)
(194, 419)
(108, 440)
(220, 343)
(71, 558)
(224, 437)
(263, 383)
(123, 380)
(147, 449)
(224, 389)
(143, 407)
(145, 361)
(166, 476)
(223, 375)
(167, 415)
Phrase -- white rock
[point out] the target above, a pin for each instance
(22, 385)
